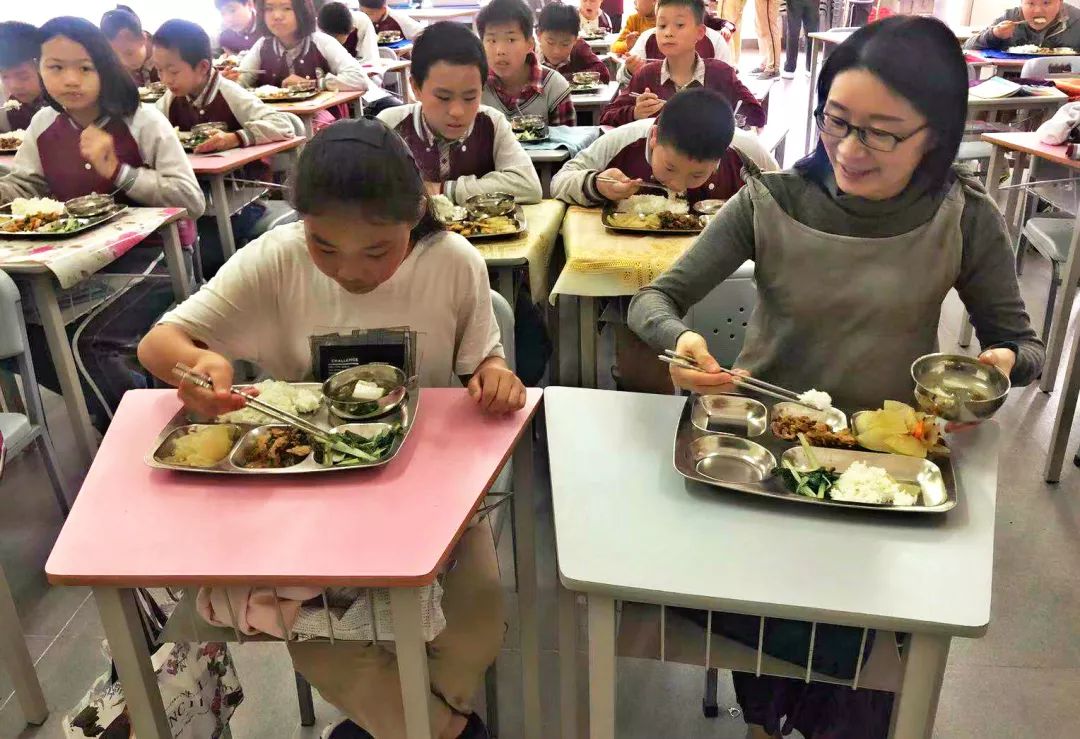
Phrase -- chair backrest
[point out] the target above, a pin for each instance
(972, 73)
(722, 317)
(11, 317)
(385, 52)
(504, 316)
(1045, 67)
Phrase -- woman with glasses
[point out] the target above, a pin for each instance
(854, 251)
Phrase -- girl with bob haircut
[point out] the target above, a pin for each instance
(368, 254)
(854, 251)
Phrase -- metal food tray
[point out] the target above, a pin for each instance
(295, 97)
(519, 216)
(85, 224)
(610, 210)
(732, 460)
(405, 414)
(584, 89)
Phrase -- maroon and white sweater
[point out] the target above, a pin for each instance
(403, 24)
(317, 52)
(627, 149)
(488, 158)
(711, 73)
(154, 169)
(234, 42)
(224, 101)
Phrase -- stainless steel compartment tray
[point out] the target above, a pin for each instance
(688, 458)
(405, 414)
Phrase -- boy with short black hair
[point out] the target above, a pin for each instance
(197, 93)
(352, 30)
(240, 28)
(517, 83)
(387, 19)
(679, 27)
(131, 44)
(560, 47)
(594, 21)
(20, 46)
(692, 148)
(462, 148)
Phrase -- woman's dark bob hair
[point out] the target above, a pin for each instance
(363, 164)
(119, 96)
(920, 60)
(306, 19)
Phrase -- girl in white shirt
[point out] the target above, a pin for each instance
(368, 254)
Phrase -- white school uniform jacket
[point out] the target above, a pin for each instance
(155, 171)
(259, 123)
(721, 51)
(488, 158)
(626, 147)
(343, 71)
(367, 38)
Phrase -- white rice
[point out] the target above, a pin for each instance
(652, 204)
(289, 398)
(23, 207)
(816, 399)
(861, 483)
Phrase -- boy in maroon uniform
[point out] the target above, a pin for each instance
(560, 47)
(20, 46)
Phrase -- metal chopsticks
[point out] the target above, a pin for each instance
(750, 383)
(640, 185)
(185, 373)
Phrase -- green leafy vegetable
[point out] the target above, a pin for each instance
(813, 483)
(349, 449)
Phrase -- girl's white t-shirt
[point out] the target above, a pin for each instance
(269, 300)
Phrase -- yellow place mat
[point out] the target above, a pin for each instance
(600, 262)
(535, 246)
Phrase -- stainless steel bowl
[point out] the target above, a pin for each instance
(521, 123)
(209, 129)
(586, 78)
(958, 388)
(490, 204)
(90, 205)
(338, 391)
(708, 207)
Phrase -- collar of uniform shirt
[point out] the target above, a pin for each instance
(534, 86)
(698, 76)
(423, 129)
(541, 60)
(208, 91)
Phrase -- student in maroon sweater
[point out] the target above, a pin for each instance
(240, 28)
(20, 45)
(131, 44)
(680, 24)
(560, 47)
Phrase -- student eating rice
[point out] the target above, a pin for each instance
(368, 254)
(854, 251)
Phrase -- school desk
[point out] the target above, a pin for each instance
(463, 12)
(390, 527)
(589, 105)
(1025, 146)
(47, 265)
(308, 109)
(1039, 107)
(602, 45)
(601, 263)
(533, 249)
(678, 543)
(225, 200)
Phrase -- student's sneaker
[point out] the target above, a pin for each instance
(344, 729)
(788, 75)
(757, 70)
(768, 74)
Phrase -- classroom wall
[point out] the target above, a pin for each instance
(152, 12)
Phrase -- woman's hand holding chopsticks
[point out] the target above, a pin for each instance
(710, 378)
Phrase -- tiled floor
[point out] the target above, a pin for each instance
(1021, 680)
